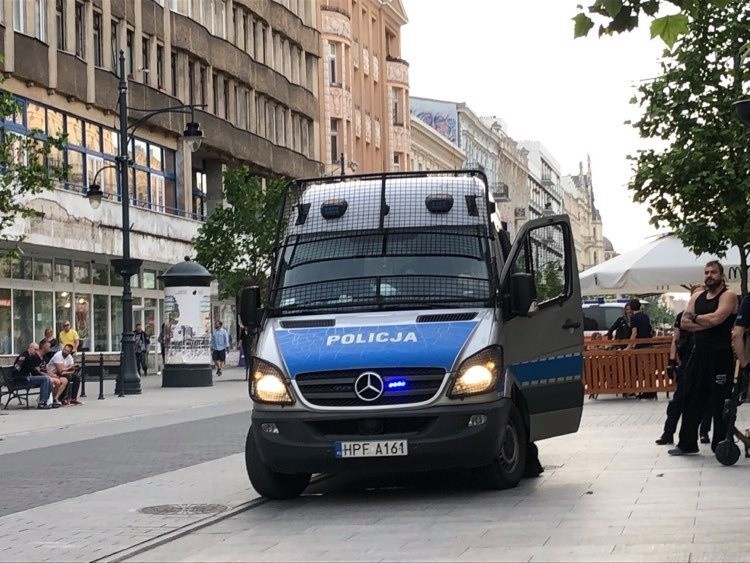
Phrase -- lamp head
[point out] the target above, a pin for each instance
(193, 136)
(94, 195)
(742, 108)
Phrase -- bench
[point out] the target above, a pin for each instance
(609, 369)
(13, 390)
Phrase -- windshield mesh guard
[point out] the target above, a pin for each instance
(384, 241)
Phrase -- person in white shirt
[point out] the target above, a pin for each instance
(63, 365)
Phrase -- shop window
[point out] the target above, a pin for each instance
(101, 323)
(43, 313)
(22, 269)
(6, 334)
(83, 319)
(35, 117)
(81, 272)
(23, 315)
(116, 315)
(62, 270)
(100, 274)
(75, 131)
(43, 269)
(93, 137)
(115, 279)
(149, 279)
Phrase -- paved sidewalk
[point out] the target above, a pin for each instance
(155, 406)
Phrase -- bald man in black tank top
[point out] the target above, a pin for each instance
(709, 372)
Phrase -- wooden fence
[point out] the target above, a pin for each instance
(609, 368)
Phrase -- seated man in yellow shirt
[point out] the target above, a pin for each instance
(68, 336)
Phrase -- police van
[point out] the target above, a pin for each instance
(401, 331)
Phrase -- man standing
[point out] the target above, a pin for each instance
(63, 365)
(709, 372)
(219, 345)
(640, 324)
(28, 369)
(142, 342)
(68, 336)
(741, 326)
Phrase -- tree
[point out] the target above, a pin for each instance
(618, 16)
(25, 170)
(549, 281)
(699, 185)
(660, 314)
(236, 241)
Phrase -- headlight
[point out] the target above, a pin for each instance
(267, 384)
(479, 373)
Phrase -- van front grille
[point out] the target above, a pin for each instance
(336, 388)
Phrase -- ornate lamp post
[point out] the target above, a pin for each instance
(130, 382)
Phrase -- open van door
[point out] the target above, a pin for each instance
(543, 326)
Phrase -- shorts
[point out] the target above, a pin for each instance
(219, 355)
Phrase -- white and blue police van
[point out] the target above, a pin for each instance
(401, 331)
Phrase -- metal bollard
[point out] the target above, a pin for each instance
(101, 377)
(83, 374)
(121, 378)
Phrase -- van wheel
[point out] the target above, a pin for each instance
(269, 483)
(508, 467)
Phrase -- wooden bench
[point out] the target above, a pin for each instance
(610, 369)
(14, 390)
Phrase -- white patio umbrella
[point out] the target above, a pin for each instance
(663, 265)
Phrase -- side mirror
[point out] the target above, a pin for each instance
(522, 294)
(250, 309)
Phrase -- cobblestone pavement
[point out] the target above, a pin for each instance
(608, 494)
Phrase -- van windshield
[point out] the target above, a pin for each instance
(395, 269)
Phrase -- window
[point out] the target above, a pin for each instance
(203, 86)
(80, 15)
(41, 20)
(396, 162)
(191, 81)
(19, 16)
(146, 56)
(332, 63)
(237, 37)
(160, 66)
(215, 80)
(334, 141)
(199, 194)
(212, 16)
(398, 118)
(544, 258)
(129, 52)
(60, 23)
(223, 17)
(173, 65)
(98, 48)
(115, 46)
(226, 99)
(101, 323)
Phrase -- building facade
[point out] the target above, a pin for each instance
(365, 124)
(432, 151)
(585, 218)
(251, 66)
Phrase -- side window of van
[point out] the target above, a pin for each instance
(544, 256)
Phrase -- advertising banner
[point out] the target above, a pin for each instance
(187, 312)
(441, 116)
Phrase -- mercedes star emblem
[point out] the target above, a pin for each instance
(369, 386)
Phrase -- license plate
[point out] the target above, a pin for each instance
(384, 448)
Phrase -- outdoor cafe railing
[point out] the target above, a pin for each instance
(609, 367)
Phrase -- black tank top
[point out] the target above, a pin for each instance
(719, 337)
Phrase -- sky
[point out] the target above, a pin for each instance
(517, 59)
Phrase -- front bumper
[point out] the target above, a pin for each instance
(438, 438)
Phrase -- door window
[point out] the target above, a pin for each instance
(544, 256)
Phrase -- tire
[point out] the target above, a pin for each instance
(268, 483)
(727, 452)
(507, 469)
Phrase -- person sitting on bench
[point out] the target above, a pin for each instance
(64, 367)
(28, 368)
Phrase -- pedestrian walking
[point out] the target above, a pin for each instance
(142, 342)
(710, 315)
(219, 346)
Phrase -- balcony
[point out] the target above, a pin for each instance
(501, 192)
(549, 182)
(397, 71)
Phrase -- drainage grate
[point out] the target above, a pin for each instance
(183, 509)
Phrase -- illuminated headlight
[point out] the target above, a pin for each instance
(267, 384)
(478, 374)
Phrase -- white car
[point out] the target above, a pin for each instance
(598, 317)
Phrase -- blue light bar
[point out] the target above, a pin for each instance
(396, 384)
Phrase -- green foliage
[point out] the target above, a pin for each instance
(24, 172)
(619, 16)
(549, 281)
(236, 241)
(659, 314)
(699, 185)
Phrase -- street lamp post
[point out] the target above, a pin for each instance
(130, 382)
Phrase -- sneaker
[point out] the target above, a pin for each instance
(705, 439)
(75, 402)
(43, 406)
(665, 439)
(679, 451)
(56, 405)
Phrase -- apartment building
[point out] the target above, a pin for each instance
(365, 124)
(253, 67)
(586, 221)
(432, 151)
